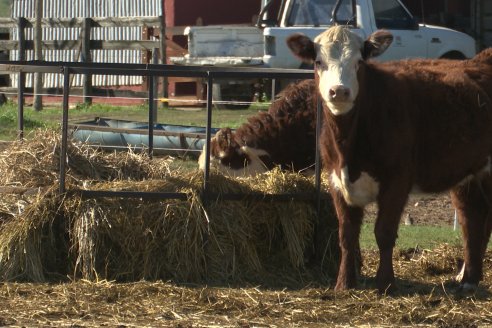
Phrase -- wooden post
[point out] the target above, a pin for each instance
(146, 54)
(38, 52)
(85, 57)
(163, 50)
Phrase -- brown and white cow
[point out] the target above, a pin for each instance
(284, 136)
(393, 128)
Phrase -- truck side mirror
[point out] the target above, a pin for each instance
(263, 17)
(265, 22)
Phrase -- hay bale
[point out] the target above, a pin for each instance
(30, 243)
(30, 167)
(183, 240)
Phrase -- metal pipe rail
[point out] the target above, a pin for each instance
(151, 71)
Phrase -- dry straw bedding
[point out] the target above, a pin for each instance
(48, 236)
(97, 244)
(425, 299)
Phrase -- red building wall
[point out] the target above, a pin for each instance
(212, 12)
(209, 12)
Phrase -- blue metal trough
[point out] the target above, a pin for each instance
(113, 134)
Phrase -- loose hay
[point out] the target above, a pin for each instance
(35, 162)
(161, 304)
(134, 239)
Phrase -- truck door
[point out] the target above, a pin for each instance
(409, 41)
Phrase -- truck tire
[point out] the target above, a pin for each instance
(233, 96)
(453, 55)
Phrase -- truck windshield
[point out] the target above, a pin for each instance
(391, 14)
(318, 12)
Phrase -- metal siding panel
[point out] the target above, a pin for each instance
(74, 8)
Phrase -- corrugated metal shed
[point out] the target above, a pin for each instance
(87, 8)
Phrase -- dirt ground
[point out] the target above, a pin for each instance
(4, 144)
(433, 210)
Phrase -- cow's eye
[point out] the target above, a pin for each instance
(317, 63)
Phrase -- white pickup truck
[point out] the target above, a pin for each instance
(264, 45)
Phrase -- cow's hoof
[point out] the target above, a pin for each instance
(344, 285)
(467, 288)
(341, 287)
(385, 283)
(387, 289)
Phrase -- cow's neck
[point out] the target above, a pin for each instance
(344, 129)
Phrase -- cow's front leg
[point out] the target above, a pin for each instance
(391, 203)
(349, 222)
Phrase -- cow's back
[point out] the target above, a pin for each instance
(287, 130)
(429, 118)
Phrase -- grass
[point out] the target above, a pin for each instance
(427, 237)
(9, 125)
(423, 237)
(220, 118)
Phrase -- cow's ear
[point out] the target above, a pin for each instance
(302, 47)
(377, 43)
(225, 140)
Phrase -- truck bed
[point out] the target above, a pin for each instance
(222, 46)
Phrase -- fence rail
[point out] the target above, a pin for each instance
(79, 21)
(151, 72)
(153, 45)
(86, 24)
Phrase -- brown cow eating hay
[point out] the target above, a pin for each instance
(284, 136)
(393, 128)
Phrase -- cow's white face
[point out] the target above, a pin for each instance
(337, 53)
(251, 165)
(337, 61)
(232, 159)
